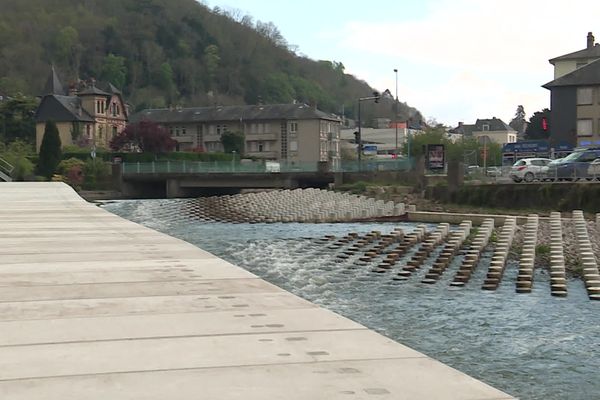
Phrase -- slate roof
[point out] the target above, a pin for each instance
(464, 129)
(496, 124)
(592, 52)
(586, 75)
(233, 113)
(53, 84)
(92, 89)
(61, 108)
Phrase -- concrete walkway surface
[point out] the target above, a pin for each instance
(96, 307)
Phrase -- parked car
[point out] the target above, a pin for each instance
(574, 166)
(493, 171)
(528, 169)
(594, 169)
(472, 170)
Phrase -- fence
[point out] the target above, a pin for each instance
(215, 167)
(5, 170)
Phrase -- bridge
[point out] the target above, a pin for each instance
(169, 179)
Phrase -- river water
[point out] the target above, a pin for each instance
(533, 346)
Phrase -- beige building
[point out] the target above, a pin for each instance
(494, 128)
(568, 63)
(575, 97)
(295, 133)
(86, 115)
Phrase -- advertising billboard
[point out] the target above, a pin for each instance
(436, 156)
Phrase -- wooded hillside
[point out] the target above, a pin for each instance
(170, 52)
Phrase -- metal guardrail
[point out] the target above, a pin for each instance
(6, 170)
(224, 167)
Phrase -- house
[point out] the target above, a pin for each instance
(575, 97)
(294, 133)
(568, 63)
(85, 114)
(494, 128)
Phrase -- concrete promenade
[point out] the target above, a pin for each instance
(96, 307)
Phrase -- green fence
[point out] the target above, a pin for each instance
(200, 167)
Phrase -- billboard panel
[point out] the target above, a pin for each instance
(436, 156)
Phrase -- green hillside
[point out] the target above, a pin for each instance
(169, 52)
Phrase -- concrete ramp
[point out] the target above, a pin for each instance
(96, 307)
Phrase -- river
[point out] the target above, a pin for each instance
(533, 346)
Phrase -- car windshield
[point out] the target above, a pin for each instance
(572, 156)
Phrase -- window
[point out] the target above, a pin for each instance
(88, 130)
(114, 131)
(100, 132)
(261, 147)
(221, 129)
(584, 127)
(293, 127)
(485, 127)
(293, 145)
(584, 95)
(182, 131)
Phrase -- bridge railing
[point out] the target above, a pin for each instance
(199, 167)
(6, 169)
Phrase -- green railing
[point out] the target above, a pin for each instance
(6, 170)
(258, 167)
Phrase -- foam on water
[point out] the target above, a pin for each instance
(533, 346)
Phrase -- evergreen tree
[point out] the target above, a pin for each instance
(50, 151)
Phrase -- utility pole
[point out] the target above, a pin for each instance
(396, 112)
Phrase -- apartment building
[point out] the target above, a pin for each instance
(295, 133)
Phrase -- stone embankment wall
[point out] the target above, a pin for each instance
(556, 196)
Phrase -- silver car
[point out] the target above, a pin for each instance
(528, 169)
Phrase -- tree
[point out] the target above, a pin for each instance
(211, 62)
(50, 151)
(518, 123)
(17, 119)
(535, 129)
(233, 141)
(145, 136)
(16, 154)
(114, 70)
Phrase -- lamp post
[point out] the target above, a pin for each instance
(376, 96)
(233, 152)
(396, 112)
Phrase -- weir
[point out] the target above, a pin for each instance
(97, 307)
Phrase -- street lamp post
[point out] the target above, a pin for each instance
(396, 112)
(376, 96)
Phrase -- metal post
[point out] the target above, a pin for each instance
(359, 138)
(396, 112)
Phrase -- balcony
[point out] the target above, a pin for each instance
(261, 136)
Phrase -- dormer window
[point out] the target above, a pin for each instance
(485, 127)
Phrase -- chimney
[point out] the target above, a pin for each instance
(590, 40)
(460, 123)
(73, 89)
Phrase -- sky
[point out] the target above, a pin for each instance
(457, 60)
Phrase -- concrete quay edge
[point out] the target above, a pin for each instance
(106, 315)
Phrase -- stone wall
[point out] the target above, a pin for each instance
(559, 196)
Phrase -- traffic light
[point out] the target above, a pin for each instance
(544, 124)
(377, 96)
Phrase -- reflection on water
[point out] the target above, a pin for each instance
(533, 346)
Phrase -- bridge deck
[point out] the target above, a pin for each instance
(96, 307)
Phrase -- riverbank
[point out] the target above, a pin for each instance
(96, 307)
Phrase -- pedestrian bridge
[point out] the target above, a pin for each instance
(190, 178)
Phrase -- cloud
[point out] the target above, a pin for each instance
(485, 57)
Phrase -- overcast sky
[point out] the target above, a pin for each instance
(457, 60)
